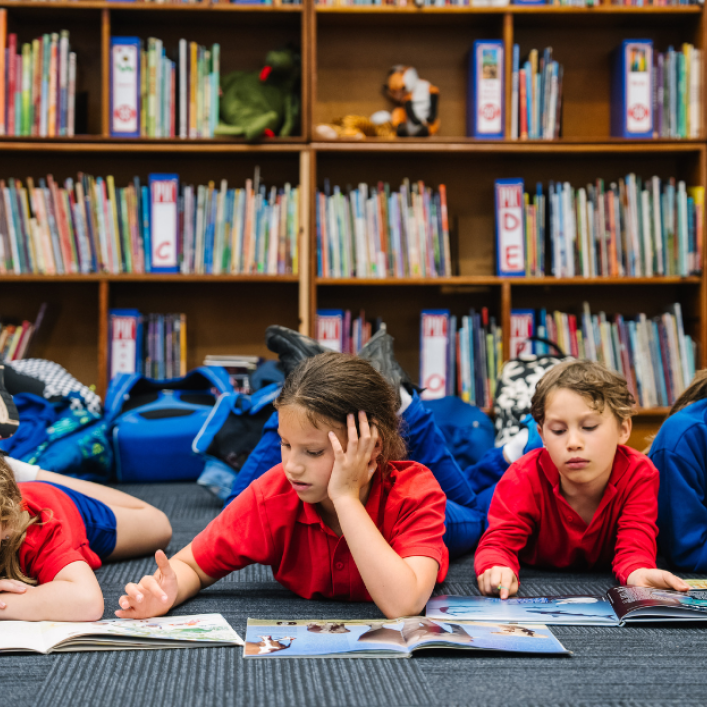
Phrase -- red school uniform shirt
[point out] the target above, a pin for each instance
(270, 525)
(58, 538)
(529, 520)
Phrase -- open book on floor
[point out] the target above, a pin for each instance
(620, 606)
(390, 638)
(203, 630)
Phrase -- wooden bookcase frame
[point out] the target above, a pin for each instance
(344, 54)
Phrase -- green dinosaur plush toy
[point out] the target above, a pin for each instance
(267, 102)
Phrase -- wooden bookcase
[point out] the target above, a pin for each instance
(346, 53)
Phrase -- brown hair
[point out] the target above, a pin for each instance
(331, 385)
(697, 390)
(592, 381)
(14, 520)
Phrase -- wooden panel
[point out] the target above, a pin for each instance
(400, 309)
(645, 428)
(350, 75)
(222, 318)
(587, 73)
(85, 39)
(69, 333)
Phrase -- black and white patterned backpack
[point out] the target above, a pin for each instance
(515, 387)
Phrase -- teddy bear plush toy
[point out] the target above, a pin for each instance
(417, 103)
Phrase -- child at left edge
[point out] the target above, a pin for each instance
(585, 501)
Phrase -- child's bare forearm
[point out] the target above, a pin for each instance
(390, 581)
(53, 601)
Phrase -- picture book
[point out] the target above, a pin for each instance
(619, 606)
(391, 638)
(632, 89)
(196, 631)
(486, 115)
(434, 342)
(125, 87)
(510, 234)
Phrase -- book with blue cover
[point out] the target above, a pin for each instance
(486, 113)
(164, 222)
(632, 89)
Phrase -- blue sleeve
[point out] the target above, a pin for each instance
(264, 457)
(426, 445)
(682, 511)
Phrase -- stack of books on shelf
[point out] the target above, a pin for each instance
(460, 356)
(371, 232)
(629, 228)
(677, 93)
(37, 84)
(655, 355)
(154, 345)
(337, 331)
(239, 368)
(536, 98)
(88, 225)
(155, 96)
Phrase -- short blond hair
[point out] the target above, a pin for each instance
(597, 384)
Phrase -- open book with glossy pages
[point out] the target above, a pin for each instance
(197, 631)
(390, 638)
(620, 605)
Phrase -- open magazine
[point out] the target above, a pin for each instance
(619, 606)
(117, 634)
(391, 638)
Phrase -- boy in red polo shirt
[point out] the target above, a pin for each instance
(338, 518)
(585, 500)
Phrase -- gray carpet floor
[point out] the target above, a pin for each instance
(621, 667)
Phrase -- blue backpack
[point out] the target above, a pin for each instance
(154, 423)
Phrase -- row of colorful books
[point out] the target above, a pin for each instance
(154, 345)
(155, 96)
(37, 84)
(88, 225)
(536, 99)
(678, 102)
(14, 339)
(654, 354)
(336, 330)
(373, 232)
(460, 356)
(629, 228)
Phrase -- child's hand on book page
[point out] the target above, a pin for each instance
(656, 579)
(153, 595)
(11, 585)
(354, 467)
(498, 581)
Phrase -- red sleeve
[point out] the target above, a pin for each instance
(637, 531)
(419, 527)
(512, 519)
(239, 536)
(47, 549)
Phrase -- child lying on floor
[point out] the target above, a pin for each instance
(338, 518)
(54, 531)
(584, 501)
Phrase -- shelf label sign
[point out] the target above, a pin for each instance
(330, 325)
(125, 88)
(123, 345)
(488, 89)
(509, 227)
(164, 221)
(434, 353)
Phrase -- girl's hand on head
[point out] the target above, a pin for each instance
(498, 581)
(657, 579)
(153, 595)
(353, 468)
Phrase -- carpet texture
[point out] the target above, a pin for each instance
(619, 667)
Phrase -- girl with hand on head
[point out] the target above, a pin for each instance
(338, 518)
(54, 531)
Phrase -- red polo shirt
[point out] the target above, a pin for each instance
(530, 521)
(269, 524)
(58, 538)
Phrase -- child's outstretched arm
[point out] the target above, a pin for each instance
(174, 582)
(399, 586)
(73, 595)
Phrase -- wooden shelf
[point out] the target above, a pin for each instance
(510, 9)
(147, 6)
(149, 277)
(513, 281)
(652, 412)
(90, 143)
